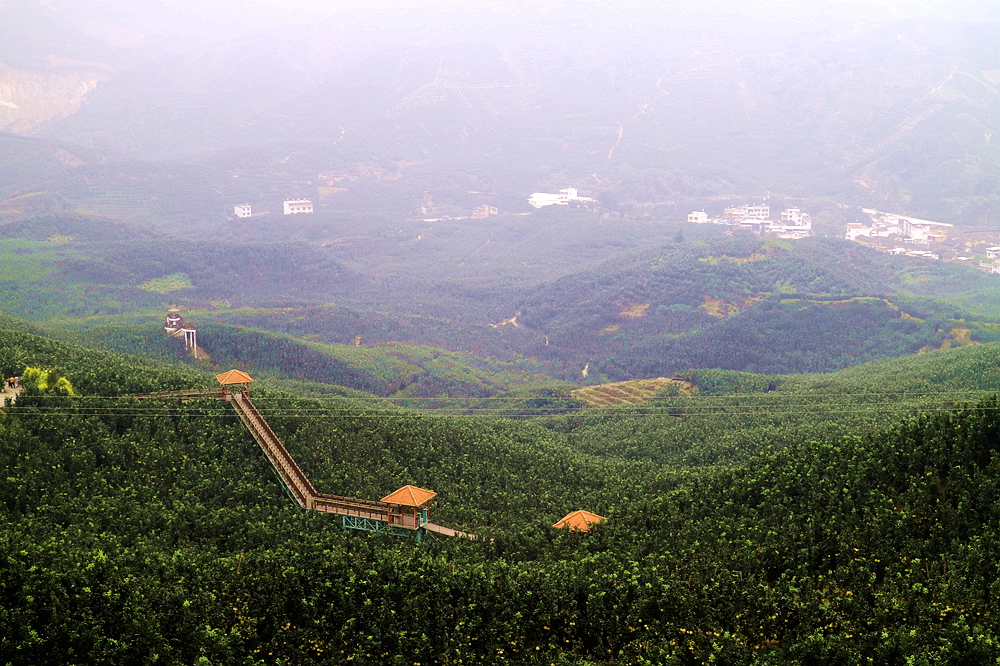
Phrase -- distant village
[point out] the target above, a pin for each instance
(886, 232)
(327, 183)
(913, 237)
(793, 223)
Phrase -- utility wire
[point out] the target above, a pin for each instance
(324, 415)
(380, 399)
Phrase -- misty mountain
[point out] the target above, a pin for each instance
(634, 106)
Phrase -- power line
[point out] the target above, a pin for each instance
(327, 415)
(729, 396)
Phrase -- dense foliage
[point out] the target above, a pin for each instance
(140, 531)
(753, 516)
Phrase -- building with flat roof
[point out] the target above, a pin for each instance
(484, 211)
(794, 217)
(566, 196)
(295, 206)
(748, 212)
(243, 210)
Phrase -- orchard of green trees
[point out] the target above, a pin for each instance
(139, 531)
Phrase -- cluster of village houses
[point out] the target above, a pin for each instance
(886, 232)
(793, 223)
(910, 236)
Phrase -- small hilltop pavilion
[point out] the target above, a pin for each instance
(579, 521)
(408, 506)
(233, 383)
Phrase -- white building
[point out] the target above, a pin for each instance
(909, 229)
(243, 210)
(566, 196)
(698, 217)
(294, 206)
(794, 224)
(855, 229)
(925, 231)
(795, 217)
(748, 212)
(993, 253)
(792, 231)
(922, 253)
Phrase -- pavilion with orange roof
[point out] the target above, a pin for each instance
(238, 380)
(579, 521)
(408, 506)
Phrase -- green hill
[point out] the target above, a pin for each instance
(735, 416)
(646, 310)
(756, 305)
(137, 531)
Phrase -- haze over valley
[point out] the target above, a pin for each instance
(683, 321)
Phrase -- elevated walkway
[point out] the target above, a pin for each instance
(402, 513)
(295, 480)
(184, 395)
(447, 531)
(357, 514)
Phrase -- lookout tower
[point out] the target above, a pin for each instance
(234, 382)
(176, 327)
(175, 321)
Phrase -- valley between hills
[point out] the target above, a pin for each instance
(792, 457)
(601, 435)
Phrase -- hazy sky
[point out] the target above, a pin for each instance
(974, 10)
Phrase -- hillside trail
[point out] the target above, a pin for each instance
(10, 392)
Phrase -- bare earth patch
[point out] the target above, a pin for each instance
(634, 311)
(633, 392)
(715, 307)
(958, 336)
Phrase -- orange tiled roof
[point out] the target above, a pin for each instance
(580, 521)
(233, 377)
(410, 496)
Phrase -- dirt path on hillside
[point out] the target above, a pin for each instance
(11, 393)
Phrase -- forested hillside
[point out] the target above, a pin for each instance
(792, 446)
(736, 416)
(139, 531)
(814, 305)
(438, 308)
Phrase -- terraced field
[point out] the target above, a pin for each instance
(633, 392)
